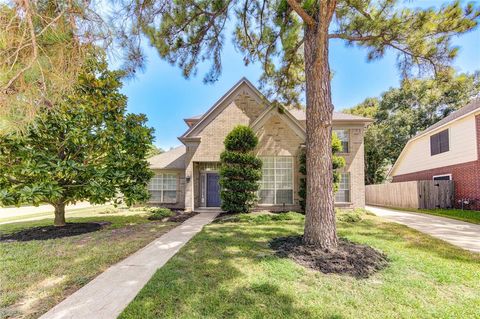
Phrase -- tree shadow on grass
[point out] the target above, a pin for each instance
(52, 232)
(409, 238)
(208, 279)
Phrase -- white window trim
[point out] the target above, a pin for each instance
(161, 201)
(442, 175)
(349, 189)
(275, 181)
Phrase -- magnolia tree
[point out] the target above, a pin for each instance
(86, 148)
(291, 40)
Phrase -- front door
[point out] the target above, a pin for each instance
(213, 190)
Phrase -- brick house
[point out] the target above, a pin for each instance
(447, 150)
(186, 177)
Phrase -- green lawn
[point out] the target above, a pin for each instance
(36, 275)
(229, 271)
(471, 216)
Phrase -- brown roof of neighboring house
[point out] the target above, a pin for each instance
(172, 159)
(472, 106)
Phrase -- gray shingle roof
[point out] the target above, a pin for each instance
(172, 159)
(300, 115)
(473, 105)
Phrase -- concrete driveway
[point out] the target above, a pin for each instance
(458, 233)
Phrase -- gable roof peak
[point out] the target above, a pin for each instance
(228, 94)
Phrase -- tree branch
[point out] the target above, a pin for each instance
(301, 12)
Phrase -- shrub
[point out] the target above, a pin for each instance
(351, 216)
(240, 171)
(337, 162)
(159, 213)
(258, 219)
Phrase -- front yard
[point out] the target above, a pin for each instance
(35, 275)
(229, 271)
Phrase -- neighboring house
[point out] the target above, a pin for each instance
(447, 150)
(186, 177)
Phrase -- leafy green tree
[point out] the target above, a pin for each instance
(86, 148)
(240, 171)
(337, 162)
(290, 39)
(403, 112)
(154, 150)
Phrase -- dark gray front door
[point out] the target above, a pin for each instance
(213, 190)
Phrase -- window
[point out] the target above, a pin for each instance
(276, 186)
(439, 143)
(446, 177)
(163, 188)
(343, 193)
(344, 136)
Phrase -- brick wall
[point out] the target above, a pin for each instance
(466, 176)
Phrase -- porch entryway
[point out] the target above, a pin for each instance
(213, 190)
(209, 185)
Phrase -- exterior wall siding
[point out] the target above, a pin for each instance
(462, 149)
(275, 138)
(466, 176)
(355, 165)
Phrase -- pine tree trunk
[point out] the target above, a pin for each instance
(59, 214)
(320, 227)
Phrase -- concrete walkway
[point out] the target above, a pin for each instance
(458, 233)
(106, 296)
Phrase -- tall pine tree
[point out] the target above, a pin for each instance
(291, 40)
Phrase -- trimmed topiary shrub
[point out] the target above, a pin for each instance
(240, 171)
(337, 162)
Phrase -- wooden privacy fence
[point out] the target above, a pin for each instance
(416, 194)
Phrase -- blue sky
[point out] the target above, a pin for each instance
(166, 97)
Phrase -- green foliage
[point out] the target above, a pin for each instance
(337, 162)
(350, 216)
(240, 171)
(271, 33)
(86, 148)
(154, 150)
(258, 218)
(241, 140)
(402, 113)
(159, 213)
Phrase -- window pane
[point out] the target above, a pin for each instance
(284, 196)
(266, 196)
(155, 196)
(166, 182)
(170, 196)
(439, 143)
(342, 196)
(155, 183)
(276, 186)
(344, 136)
(343, 193)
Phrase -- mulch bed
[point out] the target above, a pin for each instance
(51, 232)
(181, 217)
(352, 259)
